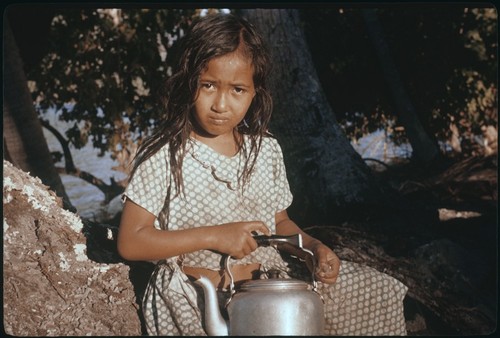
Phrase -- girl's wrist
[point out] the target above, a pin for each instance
(209, 237)
(314, 244)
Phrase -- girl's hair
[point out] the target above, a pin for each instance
(210, 36)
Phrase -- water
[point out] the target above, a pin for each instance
(378, 146)
(89, 200)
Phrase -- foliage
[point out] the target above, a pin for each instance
(446, 55)
(104, 67)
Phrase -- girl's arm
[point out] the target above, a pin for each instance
(327, 262)
(138, 239)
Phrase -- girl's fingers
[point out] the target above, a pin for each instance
(335, 264)
(327, 268)
(259, 226)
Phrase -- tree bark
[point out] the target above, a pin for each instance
(324, 170)
(62, 275)
(23, 133)
(424, 149)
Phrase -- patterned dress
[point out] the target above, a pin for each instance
(363, 301)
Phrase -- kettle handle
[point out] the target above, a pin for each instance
(262, 240)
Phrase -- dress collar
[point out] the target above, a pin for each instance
(223, 168)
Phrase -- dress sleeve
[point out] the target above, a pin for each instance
(284, 196)
(148, 186)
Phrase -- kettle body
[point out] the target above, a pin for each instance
(276, 307)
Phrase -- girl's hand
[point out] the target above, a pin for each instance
(327, 263)
(236, 239)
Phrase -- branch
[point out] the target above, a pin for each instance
(68, 158)
(376, 161)
(110, 190)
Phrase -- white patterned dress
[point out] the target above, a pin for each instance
(363, 301)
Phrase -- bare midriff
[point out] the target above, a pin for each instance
(221, 279)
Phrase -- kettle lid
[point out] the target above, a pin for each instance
(274, 284)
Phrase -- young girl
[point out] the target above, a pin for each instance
(211, 178)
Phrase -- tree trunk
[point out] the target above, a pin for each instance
(325, 172)
(23, 135)
(424, 149)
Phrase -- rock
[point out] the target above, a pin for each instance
(51, 287)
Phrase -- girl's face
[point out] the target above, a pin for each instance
(226, 90)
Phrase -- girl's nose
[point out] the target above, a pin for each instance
(219, 104)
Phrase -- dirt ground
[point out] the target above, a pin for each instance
(440, 238)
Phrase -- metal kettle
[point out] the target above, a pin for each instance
(274, 306)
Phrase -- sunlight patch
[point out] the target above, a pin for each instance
(447, 214)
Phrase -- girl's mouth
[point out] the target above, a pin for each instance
(218, 121)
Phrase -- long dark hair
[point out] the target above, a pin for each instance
(210, 36)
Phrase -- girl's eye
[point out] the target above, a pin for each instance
(207, 85)
(239, 90)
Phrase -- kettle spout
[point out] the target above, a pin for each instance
(214, 322)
